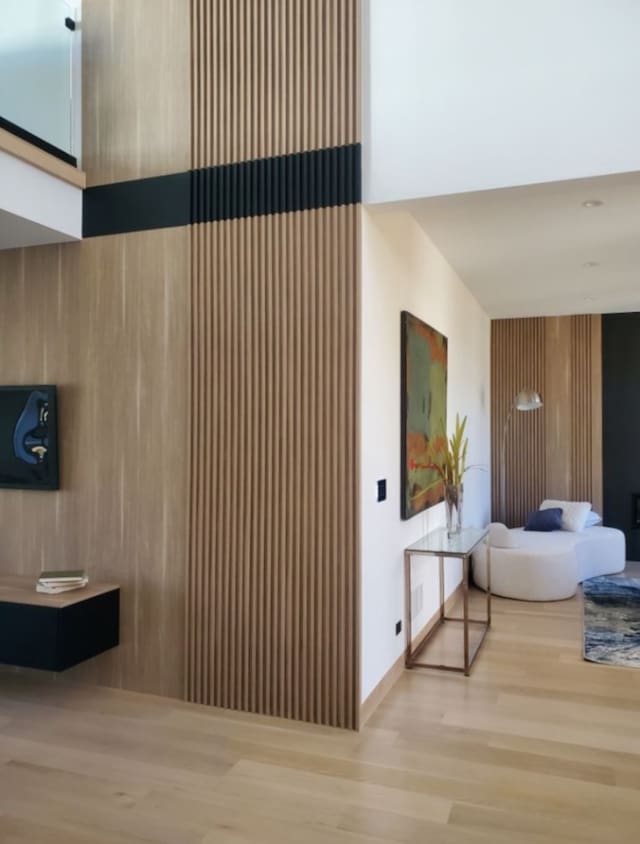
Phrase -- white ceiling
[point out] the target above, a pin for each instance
(527, 251)
(16, 231)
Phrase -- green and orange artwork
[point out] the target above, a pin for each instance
(424, 413)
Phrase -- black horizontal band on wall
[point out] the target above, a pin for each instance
(278, 185)
(137, 205)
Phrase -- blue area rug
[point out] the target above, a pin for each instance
(612, 620)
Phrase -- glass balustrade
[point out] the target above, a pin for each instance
(37, 66)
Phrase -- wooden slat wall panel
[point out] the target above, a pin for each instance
(273, 77)
(596, 415)
(558, 408)
(271, 621)
(556, 452)
(273, 576)
(107, 321)
(517, 361)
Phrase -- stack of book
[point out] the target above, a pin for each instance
(55, 582)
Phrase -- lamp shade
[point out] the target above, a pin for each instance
(528, 400)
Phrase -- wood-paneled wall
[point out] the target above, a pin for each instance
(272, 613)
(208, 374)
(555, 452)
(136, 89)
(273, 77)
(106, 320)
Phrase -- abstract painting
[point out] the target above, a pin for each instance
(28, 438)
(612, 621)
(424, 413)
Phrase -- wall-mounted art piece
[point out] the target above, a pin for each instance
(28, 437)
(424, 413)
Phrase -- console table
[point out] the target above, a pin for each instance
(55, 632)
(461, 546)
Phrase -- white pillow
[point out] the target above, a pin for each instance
(593, 519)
(574, 513)
(501, 537)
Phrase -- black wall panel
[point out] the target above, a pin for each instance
(621, 423)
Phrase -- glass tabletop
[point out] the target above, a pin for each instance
(438, 542)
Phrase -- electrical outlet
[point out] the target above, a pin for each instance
(398, 628)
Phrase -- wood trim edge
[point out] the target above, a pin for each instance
(388, 681)
(378, 694)
(26, 152)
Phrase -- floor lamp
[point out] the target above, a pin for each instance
(525, 400)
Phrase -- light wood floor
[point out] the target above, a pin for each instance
(537, 746)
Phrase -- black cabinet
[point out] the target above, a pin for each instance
(56, 632)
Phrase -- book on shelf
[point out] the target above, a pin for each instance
(55, 582)
(61, 577)
(57, 589)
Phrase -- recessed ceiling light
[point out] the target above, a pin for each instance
(591, 264)
(592, 203)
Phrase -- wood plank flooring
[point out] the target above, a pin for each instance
(536, 746)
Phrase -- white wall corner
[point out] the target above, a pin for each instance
(402, 270)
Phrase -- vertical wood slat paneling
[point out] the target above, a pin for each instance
(273, 77)
(556, 452)
(272, 603)
(517, 362)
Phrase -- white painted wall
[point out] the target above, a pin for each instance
(402, 270)
(468, 95)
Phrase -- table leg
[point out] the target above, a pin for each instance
(407, 609)
(441, 578)
(465, 612)
(488, 585)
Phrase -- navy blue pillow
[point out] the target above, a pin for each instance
(545, 520)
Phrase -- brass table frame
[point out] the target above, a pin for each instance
(412, 653)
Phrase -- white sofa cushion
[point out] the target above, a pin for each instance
(600, 550)
(549, 566)
(501, 537)
(574, 513)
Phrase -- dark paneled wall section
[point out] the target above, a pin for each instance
(621, 398)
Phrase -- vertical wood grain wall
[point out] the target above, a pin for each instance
(271, 620)
(207, 372)
(555, 452)
(136, 89)
(107, 320)
(273, 77)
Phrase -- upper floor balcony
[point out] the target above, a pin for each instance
(40, 122)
